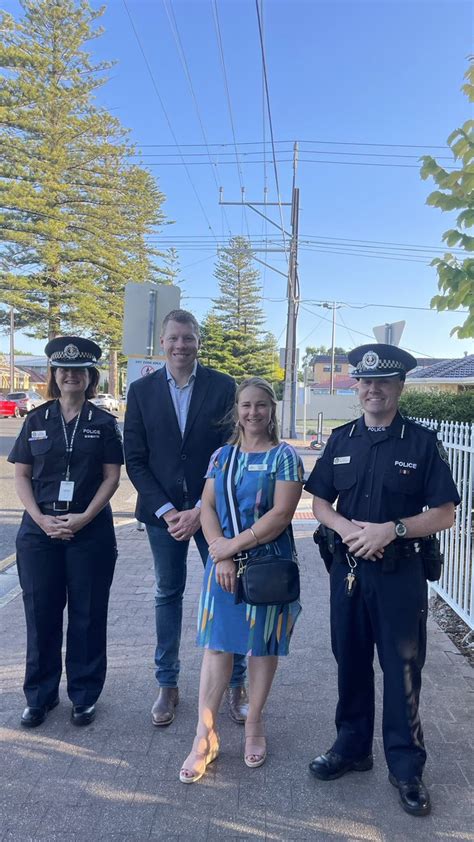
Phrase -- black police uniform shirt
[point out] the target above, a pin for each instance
(41, 444)
(385, 475)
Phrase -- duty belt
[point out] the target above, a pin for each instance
(61, 507)
(400, 548)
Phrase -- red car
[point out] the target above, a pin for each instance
(8, 408)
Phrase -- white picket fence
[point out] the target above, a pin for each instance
(456, 585)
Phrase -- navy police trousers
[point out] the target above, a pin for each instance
(52, 573)
(386, 610)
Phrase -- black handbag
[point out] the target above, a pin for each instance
(266, 575)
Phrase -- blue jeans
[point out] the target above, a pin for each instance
(170, 558)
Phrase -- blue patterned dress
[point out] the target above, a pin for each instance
(247, 629)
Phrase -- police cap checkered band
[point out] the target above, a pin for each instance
(73, 352)
(380, 360)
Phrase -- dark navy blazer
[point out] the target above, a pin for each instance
(161, 462)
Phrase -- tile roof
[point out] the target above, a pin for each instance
(445, 369)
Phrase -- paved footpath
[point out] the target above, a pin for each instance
(118, 778)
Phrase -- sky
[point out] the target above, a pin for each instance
(365, 88)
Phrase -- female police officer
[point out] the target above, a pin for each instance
(67, 467)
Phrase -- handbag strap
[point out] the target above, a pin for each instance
(229, 491)
(230, 472)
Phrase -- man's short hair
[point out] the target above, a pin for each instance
(182, 316)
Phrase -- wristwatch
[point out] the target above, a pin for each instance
(400, 528)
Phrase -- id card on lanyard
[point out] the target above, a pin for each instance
(66, 487)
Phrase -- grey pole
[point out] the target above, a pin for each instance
(150, 345)
(333, 342)
(12, 350)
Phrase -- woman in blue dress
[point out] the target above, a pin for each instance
(268, 486)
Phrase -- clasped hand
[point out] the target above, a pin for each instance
(221, 551)
(63, 527)
(221, 548)
(183, 525)
(369, 540)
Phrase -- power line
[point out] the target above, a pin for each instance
(229, 103)
(264, 150)
(346, 304)
(361, 333)
(182, 56)
(290, 160)
(270, 124)
(322, 239)
(315, 142)
(282, 151)
(160, 100)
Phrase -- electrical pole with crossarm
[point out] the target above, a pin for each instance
(288, 421)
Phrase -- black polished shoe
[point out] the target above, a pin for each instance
(82, 714)
(414, 797)
(329, 766)
(32, 717)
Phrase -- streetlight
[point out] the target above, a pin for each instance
(332, 306)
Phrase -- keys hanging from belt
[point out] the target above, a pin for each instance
(350, 579)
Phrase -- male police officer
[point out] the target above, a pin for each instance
(384, 470)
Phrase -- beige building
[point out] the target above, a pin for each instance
(21, 378)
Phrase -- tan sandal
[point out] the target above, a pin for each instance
(198, 760)
(255, 752)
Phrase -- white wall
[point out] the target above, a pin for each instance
(339, 407)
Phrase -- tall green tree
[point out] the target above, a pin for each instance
(234, 340)
(74, 214)
(239, 303)
(456, 193)
(214, 351)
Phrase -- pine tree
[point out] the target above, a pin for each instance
(233, 338)
(75, 215)
(238, 305)
(214, 352)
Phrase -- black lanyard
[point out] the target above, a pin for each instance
(69, 443)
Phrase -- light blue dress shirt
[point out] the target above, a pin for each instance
(181, 397)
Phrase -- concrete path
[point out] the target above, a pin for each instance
(118, 778)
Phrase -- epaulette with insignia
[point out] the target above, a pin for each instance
(347, 424)
(420, 425)
(42, 406)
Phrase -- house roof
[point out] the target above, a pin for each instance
(34, 375)
(427, 361)
(445, 370)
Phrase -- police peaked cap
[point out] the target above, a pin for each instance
(379, 360)
(72, 352)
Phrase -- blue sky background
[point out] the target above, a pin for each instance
(378, 72)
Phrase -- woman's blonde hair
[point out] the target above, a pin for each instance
(264, 385)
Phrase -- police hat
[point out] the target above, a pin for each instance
(72, 352)
(379, 360)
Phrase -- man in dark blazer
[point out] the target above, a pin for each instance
(174, 422)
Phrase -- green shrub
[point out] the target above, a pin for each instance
(440, 406)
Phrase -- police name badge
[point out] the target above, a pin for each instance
(341, 460)
(66, 491)
(38, 434)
